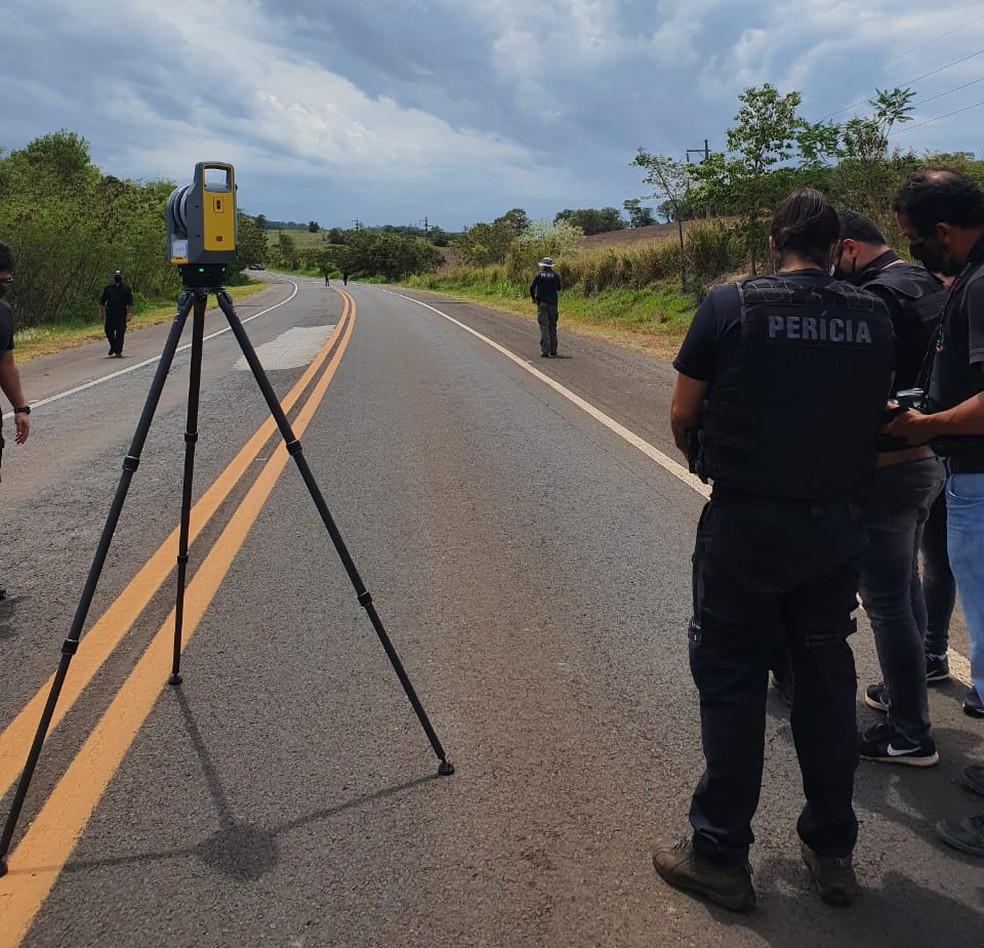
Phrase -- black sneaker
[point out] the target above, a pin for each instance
(972, 704)
(937, 668)
(966, 835)
(833, 877)
(876, 696)
(879, 743)
(973, 778)
(727, 886)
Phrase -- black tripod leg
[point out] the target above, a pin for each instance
(191, 439)
(71, 644)
(445, 768)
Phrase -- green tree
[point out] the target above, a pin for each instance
(252, 242)
(670, 180)
(639, 216)
(593, 220)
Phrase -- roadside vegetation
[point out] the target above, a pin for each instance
(70, 226)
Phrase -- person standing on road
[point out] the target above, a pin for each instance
(116, 306)
(907, 482)
(779, 399)
(10, 383)
(326, 269)
(942, 213)
(544, 291)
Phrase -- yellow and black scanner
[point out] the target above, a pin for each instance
(202, 224)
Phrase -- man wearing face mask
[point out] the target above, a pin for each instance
(942, 214)
(10, 383)
(907, 481)
(117, 304)
(779, 399)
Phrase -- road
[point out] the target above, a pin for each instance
(527, 548)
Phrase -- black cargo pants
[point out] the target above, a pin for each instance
(765, 570)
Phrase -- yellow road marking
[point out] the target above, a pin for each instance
(36, 863)
(100, 641)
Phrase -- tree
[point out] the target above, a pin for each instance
(639, 216)
(251, 242)
(592, 220)
(749, 179)
(671, 180)
(313, 227)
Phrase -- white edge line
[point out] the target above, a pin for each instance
(140, 365)
(959, 665)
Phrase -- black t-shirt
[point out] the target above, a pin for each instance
(895, 282)
(116, 297)
(712, 339)
(958, 366)
(545, 287)
(6, 327)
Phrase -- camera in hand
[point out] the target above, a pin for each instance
(910, 398)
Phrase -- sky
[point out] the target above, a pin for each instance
(456, 111)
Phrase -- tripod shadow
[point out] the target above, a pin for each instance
(6, 614)
(241, 851)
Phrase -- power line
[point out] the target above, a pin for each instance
(966, 108)
(939, 95)
(909, 82)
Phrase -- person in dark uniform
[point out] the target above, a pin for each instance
(116, 306)
(10, 383)
(942, 213)
(907, 482)
(544, 291)
(779, 400)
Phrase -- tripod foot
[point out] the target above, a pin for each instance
(3, 868)
(445, 768)
(175, 679)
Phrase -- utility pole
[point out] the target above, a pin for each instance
(706, 152)
(426, 224)
(357, 224)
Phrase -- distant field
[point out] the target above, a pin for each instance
(304, 239)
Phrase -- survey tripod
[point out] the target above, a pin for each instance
(198, 283)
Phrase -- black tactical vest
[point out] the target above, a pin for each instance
(797, 414)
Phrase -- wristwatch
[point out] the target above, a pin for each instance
(23, 410)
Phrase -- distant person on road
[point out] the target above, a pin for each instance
(780, 396)
(10, 383)
(907, 481)
(116, 307)
(544, 291)
(327, 273)
(345, 277)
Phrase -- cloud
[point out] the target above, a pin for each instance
(389, 110)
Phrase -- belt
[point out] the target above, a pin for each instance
(957, 466)
(919, 452)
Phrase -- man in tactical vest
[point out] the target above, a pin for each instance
(544, 292)
(781, 389)
(116, 304)
(942, 214)
(907, 482)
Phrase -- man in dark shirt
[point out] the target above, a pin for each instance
(942, 214)
(907, 481)
(544, 292)
(10, 383)
(116, 303)
(780, 394)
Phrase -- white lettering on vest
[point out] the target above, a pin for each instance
(820, 329)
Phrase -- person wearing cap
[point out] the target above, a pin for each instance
(116, 306)
(544, 291)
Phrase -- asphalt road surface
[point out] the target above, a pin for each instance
(526, 544)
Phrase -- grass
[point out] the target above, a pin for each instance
(36, 341)
(651, 320)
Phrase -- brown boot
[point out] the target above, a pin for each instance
(681, 867)
(833, 877)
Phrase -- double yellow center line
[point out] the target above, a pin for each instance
(47, 845)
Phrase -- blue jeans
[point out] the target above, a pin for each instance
(939, 589)
(898, 507)
(965, 539)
